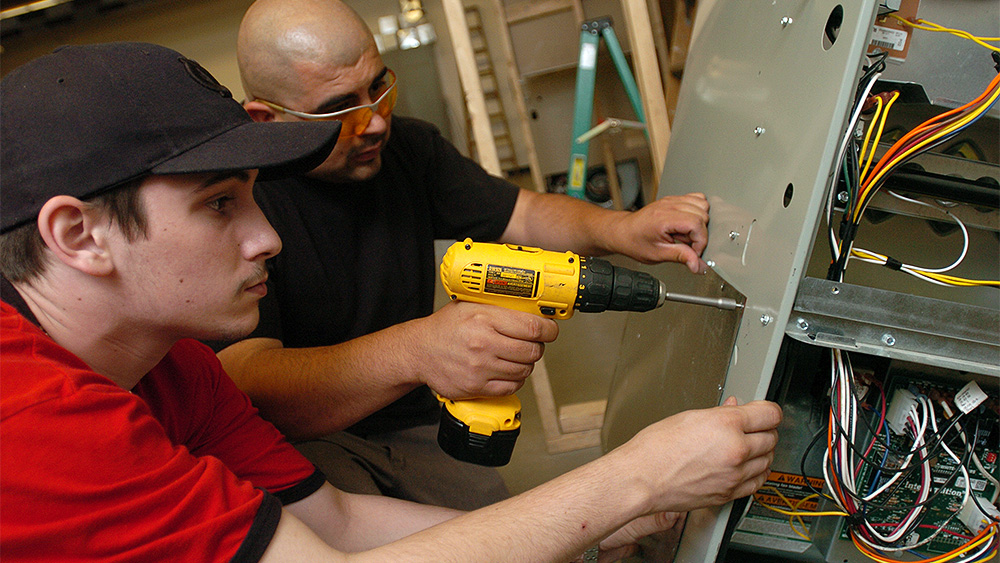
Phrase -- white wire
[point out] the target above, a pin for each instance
(839, 162)
(925, 490)
(961, 225)
(975, 457)
(917, 271)
(914, 513)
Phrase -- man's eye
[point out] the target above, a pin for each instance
(220, 203)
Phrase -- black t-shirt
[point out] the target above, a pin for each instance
(359, 257)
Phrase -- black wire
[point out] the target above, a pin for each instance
(870, 71)
(802, 462)
(907, 473)
(963, 462)
(966, 457)
(932, 441)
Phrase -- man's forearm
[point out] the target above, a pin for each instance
(311, 392)
(580, 226)
(554, 522)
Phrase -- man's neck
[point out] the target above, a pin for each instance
(89, 327)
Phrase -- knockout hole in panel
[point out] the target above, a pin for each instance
(832, 28)
(788, 195)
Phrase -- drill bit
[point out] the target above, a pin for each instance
(725, 303)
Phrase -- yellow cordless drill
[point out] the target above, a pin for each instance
(542, 282)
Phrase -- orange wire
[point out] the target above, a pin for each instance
(927, 124)
(863, 548)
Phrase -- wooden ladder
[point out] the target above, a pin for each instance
(491, 95)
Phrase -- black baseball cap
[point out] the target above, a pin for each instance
(88, 118)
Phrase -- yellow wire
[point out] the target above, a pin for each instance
(794, 515)
(943, 278)
(945, 131)
(931, 26)
(878, 136)
(868, 132)
(986, 535)
(795, 512)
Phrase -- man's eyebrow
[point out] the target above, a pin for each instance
(220, 177)
(337, 100)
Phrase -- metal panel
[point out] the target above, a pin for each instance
(759, 119)
(897, 325)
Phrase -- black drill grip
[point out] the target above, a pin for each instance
(604, 286)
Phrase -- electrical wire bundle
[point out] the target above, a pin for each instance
(863, 177)
(873, 488)
(878, 467)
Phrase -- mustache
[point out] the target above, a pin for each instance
(371, 143)
(258, 276)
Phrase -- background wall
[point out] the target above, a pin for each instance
(206, 30)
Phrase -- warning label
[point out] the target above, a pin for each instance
(504, 280)
(765, 528)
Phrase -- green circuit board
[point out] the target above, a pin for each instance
(947, 481)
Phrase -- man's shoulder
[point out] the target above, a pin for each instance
(412, 134)
(413, 125)
(45, 370)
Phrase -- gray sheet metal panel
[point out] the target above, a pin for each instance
(762, 107)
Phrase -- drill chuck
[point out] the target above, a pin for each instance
(606, 287)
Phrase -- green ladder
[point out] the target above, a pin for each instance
(583, 110)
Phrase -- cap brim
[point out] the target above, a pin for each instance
(277, 149)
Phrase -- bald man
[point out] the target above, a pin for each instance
(348, 336)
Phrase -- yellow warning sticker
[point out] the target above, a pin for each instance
(576, 174)
(504, 280)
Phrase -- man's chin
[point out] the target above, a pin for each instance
(238, 329)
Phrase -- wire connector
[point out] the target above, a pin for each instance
(903, 401)
(974, 518)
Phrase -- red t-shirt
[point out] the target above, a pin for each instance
(170, 471)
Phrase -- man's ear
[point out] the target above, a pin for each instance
(260, 112)
(77, 234)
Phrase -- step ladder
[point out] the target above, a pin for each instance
(491, 93)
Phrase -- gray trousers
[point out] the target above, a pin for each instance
(407, 464)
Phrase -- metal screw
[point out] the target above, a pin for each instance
(710, 263)
(802, 324)
(786, 21)
(758, 131)
(765, 320)
(733, 235)
(835, 290)
(888, 339)
(842, 197)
